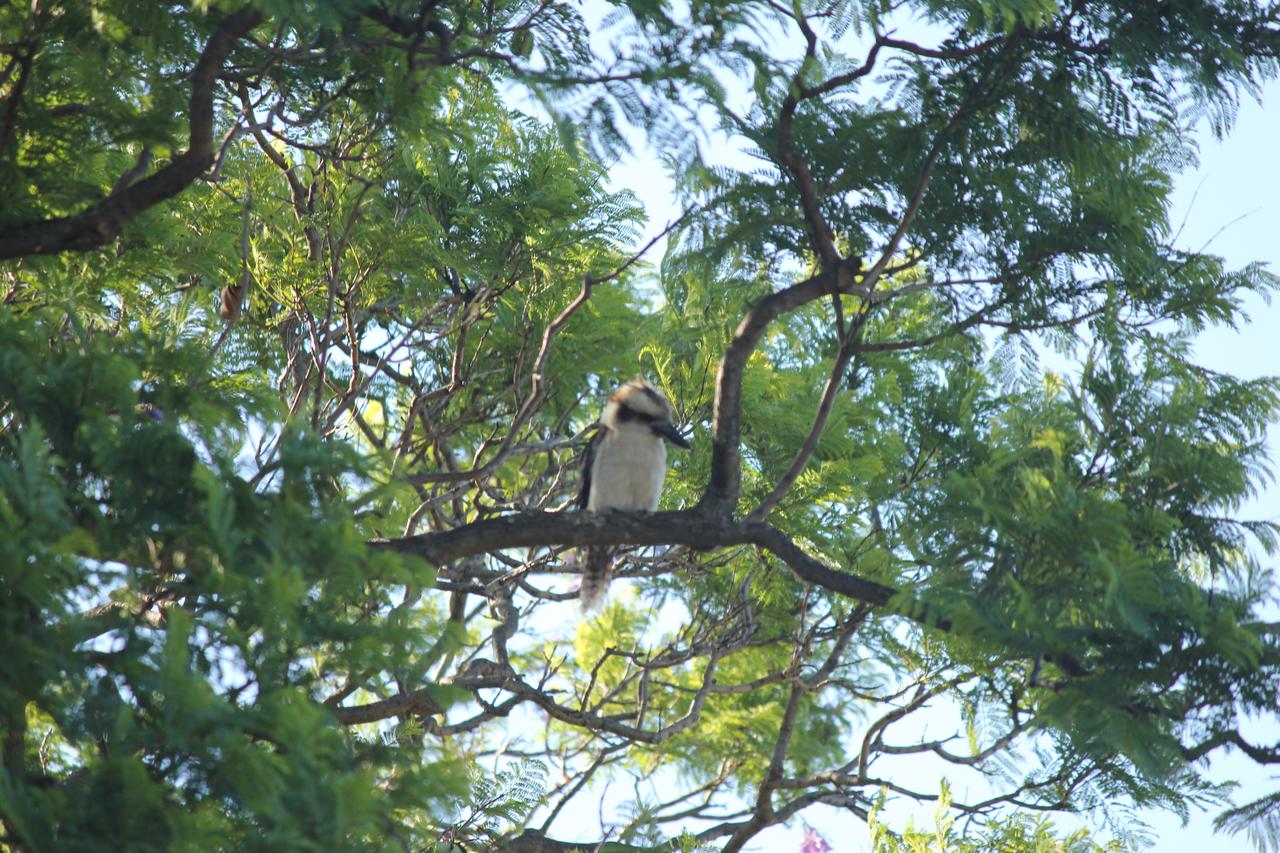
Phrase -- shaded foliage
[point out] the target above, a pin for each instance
(296, 301)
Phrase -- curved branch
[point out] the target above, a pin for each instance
(488, 675)
(721, 494)
(801, 459)
(415, 702)
(1232, 737)
(686, 527)
(837, 276)
(533, 841)
(104, 221)
(24, 61)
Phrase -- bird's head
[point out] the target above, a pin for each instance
(638, 402)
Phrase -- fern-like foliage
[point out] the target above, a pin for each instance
(1259, 820)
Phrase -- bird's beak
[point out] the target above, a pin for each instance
(669, 432)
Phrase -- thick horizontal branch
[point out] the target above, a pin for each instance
(687, 527)
(416, 702)
(1232, 737)
(103, 222)
(532, 841)
(691, 528)
(479, 674)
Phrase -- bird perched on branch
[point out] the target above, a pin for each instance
(625, 465)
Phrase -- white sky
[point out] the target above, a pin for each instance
(1235, 195)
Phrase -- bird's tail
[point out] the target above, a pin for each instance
(596, 575)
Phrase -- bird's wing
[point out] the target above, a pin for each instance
(588, 459)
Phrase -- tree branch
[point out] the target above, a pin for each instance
(533, 841)
(836, 276)
(538, 382)
(686, 527)
(788, 479)
(721, 494)
(104, 221)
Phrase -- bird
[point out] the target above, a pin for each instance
(625, 464)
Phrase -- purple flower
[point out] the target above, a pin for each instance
(814, 842)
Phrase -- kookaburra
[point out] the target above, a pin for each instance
(625, 465)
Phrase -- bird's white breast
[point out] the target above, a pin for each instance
(628, 469)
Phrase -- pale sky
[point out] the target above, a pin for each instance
(1232, 202)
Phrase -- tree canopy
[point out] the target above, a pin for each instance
(309, 309)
